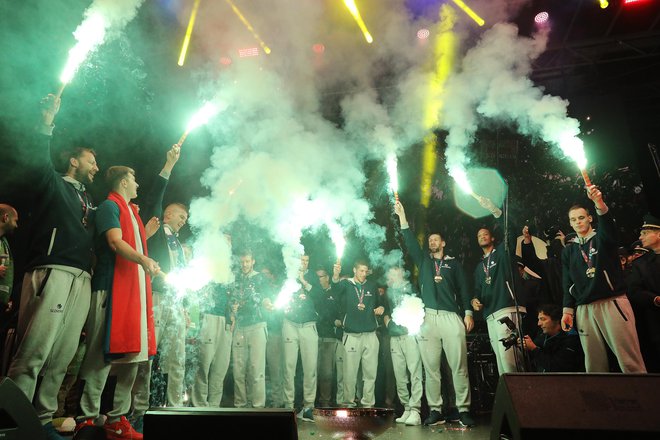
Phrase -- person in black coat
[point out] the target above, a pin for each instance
(644, 293)
(554, 350)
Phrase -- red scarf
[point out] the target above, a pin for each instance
(125, 309)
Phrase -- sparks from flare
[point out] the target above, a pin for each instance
(352, 7)
(286, 294)
(573, 147)
(186, 39)
(249, 27)
(89, 35)
(393, 174)
(207, 111)
(473, 15)
(410, 314)
(337, 237)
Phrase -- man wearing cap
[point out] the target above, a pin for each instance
(595, 290)
(644, 293)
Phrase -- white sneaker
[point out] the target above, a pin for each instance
(414, 419)
(403, 417)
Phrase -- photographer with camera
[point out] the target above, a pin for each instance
(554, 350)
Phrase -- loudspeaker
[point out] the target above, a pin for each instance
(183, 423)
(18, 419)
(576, 405)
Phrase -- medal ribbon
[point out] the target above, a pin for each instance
(587, 258)
(85, 206)
(438, 267)
(359, 293)
(487, 265)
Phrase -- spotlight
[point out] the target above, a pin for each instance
(603, 4)
(541, 17)
(318, 48)
(423, 34)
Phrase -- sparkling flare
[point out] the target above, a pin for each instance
(391, 164)
(284, 297)
(461, 179)
(337, 237)
(409, 313)
(191, 278)
(205, 113)
(89, 35)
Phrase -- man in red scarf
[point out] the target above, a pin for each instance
(120, 326)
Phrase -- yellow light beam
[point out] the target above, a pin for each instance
(186, 39)
(249, 27)
(445, 49)
(352, 7)
(473, 15)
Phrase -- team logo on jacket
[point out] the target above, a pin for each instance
(57, 309)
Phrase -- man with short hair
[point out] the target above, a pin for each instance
(554, 350)
(248, 296)
(170, 320)
(56, 287)
(595, 291)
(644, 293)
(8, 224)
(329, 330)
(299, 335)
(120, 328)
(447, 319)
(359, 304)
(494, 294)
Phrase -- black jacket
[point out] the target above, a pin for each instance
(608, 280)
(64, 216)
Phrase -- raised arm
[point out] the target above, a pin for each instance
(412, 245)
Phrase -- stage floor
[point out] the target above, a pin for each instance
(309, 431)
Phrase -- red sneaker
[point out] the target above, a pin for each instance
(83, 424)
(121, 430)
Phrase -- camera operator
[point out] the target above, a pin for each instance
(554, 350)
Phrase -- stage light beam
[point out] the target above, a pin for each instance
(352, 7)
(186, 39)
(473, 15)
(248, 26)
(445, 48)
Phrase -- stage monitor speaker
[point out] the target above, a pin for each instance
(18, 419)
(576, 405)
(240, 423)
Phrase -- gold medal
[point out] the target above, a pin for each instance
(437, 278)
(360, 306)
(591, 272)
(488, 280)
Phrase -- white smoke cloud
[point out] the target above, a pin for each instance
(493, 83)
(104, 20)
(281, 165)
